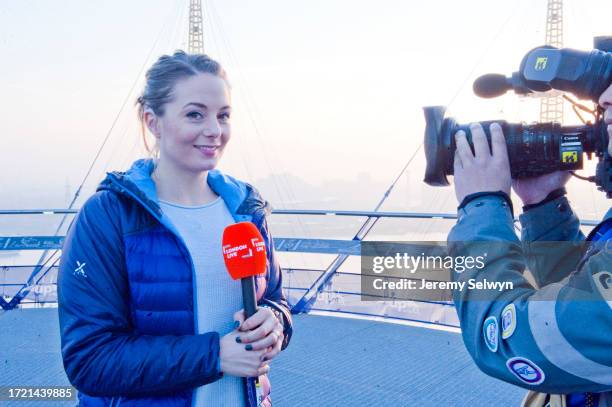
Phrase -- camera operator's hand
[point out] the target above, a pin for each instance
(482, 171)
(534, 190)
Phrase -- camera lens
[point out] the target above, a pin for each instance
(533, 149)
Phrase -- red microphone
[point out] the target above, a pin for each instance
(244, 253)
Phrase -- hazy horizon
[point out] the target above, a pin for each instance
(323, 92)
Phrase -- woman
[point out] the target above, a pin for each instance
(148, 313)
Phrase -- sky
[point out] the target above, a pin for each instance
(322, 91)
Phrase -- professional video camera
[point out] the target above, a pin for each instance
(540, 148)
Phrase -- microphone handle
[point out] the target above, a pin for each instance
(248, 296)
(250, 308)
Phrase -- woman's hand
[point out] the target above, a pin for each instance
(261, 332)
(237, 361)
(610, 137)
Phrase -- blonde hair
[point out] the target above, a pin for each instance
(161, 79)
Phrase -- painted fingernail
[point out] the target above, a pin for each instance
(236, 324)
(248, 347)
(238, 339)
(265, 359)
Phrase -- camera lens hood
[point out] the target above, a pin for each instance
(436, 150)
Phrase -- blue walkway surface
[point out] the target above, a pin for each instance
(330, 362)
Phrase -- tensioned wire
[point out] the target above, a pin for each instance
(438, 196)
(250, 103)
(173, 31)
(25, 289)
(251, 109)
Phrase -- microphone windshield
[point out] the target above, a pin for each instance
(491, 85)
(244, 250)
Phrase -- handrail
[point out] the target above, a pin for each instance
(316, 212)
(321, 246)
(38, 211)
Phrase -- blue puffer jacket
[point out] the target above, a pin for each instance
(126, 293)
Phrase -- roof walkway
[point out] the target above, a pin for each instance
(331, 362)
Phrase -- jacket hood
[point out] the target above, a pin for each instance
(240, 197)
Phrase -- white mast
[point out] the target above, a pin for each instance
(551, 108)
(196, 33)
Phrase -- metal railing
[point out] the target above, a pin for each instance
(317, 294)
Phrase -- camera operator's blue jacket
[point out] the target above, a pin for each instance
(558, 338)
(126, 295)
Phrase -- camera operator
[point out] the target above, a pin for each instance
(556, 339)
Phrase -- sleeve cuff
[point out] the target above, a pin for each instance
(282, 318)
(474, 196)
(557, 193)
(542, 221)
